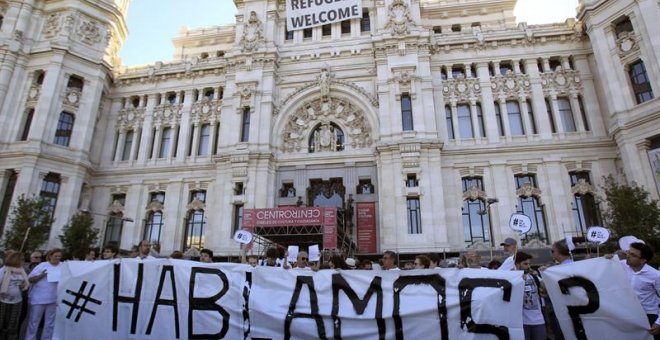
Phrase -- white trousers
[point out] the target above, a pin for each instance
(35, 313)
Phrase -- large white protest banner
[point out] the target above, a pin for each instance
(592, 299)
(302, 14)
(175, 299)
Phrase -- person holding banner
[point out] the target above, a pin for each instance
(533, 320)
(43, 295)
(13, 281)
(645, 281)
(510, 247)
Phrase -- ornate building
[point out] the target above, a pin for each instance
(446, 116)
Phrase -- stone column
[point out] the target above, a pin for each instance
(174, 141)
(137, 134)
(577, 113)
(454, 120)
(157, 140)
(476, 131)
(195, 141)
(121, 140)
(506, 128)
(487, 103)
(524, 113)
(559, 124)
(538, 100)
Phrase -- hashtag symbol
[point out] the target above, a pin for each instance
(80, 295)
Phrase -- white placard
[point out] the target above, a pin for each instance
(302, 14)
(314, 253)
(292, 254)
(53, 274)
(520, 223)
(626, 241)
(569, 241)
(243, 236)
(598, 235)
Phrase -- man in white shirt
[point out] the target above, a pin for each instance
(143, 251)
(510, 247)
(645, 281)
(389, 260)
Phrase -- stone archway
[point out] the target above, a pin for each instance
(326, 110)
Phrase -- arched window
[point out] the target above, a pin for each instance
(113, 228)
(528, 204)
(195, 221)
(476, 226)
(64, 129)
(585, 210)
(326, 137)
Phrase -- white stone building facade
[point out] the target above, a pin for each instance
(429, 109)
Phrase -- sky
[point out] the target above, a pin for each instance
(152, 24)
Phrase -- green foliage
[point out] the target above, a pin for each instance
(29, 213)
(631, 211)
(79, 235)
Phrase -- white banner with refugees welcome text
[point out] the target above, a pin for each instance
(302, 14)
(593, 299)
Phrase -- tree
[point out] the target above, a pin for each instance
(631, 211)
(30, 222)
(79, 235)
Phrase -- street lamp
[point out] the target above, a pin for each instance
(489, 202)
(123, 219)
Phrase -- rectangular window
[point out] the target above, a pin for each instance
(505, 67)
(584, 114)
(411, 181)
(326, 30)
(365, 22)
(480, 121)
(346, 27)
(640, 82)
(450, 125)
(551, 118)
(288, 35)
(566, 115)
(27, 125)
(128, 145)
(64, 129)
(245, 125)
(6, 199)
(406, 112)
(307, 33)
(623, 26)
(464, 121)
(195, 225)
(498, 119)
(515, 118)
(414, 216)
(113, 229)
(153, 227)
(165, 143)
(238, 217)
(50, 188)
(532, 121)
(215, 138)
(204, 140)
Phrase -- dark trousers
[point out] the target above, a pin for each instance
(652, 318)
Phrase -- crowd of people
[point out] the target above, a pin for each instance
(28, 289)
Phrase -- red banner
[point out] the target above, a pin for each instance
(366, 227)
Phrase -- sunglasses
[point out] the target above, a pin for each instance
(303, 258)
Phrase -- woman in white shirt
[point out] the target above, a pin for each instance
(43, 295)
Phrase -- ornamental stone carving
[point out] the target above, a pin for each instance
(302, 123)
(196, 205)
(51, 26)
(245, 93)
(561, 82)
(72, 97)
(89, 32)
(627, 47)
(399, 19)
(583, 188)
(206, 110)
(474, 193)
(527, 190)
(511, 86)
(116, 207)
(324, 79)
(130, 118)
(252, 33)
(167, 114)
(461, 89)
(155, 206)
(33, 93)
